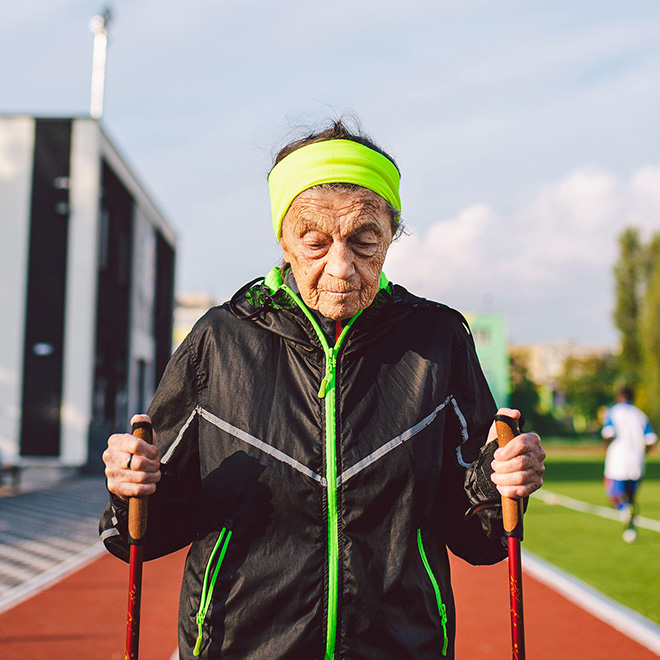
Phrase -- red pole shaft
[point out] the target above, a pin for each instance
(516, 595)
(512, 518)
(134, 602)
(137, 527)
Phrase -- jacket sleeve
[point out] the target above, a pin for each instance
(466, 470)
(171, 518)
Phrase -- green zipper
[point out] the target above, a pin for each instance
(327, 392)
(207, 588)
(442, 609)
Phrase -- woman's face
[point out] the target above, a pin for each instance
(336, 242)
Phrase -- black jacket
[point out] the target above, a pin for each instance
(320, 486)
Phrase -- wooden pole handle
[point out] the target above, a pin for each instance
(137, 506)
(507, 429)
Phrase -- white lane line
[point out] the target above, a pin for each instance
(48, 578)
(621, 618)
(604, 512)
(15, 573)
(25, 558)
(42, 549)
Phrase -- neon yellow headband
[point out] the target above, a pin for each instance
(330, 161)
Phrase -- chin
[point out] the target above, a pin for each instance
(339, 312)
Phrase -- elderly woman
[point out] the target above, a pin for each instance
(320, 439)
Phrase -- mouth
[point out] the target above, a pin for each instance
(341, 293)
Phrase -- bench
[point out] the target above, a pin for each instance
(12, 471)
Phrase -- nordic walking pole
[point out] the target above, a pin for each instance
(137, 526)
(512, 515)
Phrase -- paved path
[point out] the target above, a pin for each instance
(83, 615)
(45, 534)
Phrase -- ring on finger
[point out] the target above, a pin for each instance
(130, 458)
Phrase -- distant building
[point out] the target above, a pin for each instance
(545, 364)
(86, 291)
(490, 336)
(188, 308)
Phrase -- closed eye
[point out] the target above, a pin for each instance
(365, 247)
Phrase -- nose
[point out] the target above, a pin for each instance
(340, 261)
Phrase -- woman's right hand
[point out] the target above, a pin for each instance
(132, 466)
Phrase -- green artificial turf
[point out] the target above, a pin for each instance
(590, 547)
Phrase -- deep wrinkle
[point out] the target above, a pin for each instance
(336, 241)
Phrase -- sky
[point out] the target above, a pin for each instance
(526, 132)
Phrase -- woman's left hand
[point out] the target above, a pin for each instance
(518, 467)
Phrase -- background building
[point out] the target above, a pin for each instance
(188, 309)
(545, 365)
(86, 291)
(490, 336)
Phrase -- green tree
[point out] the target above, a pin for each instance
(525, 397)
(524, 391)
(649, 336)
(588, 385)
(629, 273)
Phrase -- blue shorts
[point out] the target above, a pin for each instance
(619, 490)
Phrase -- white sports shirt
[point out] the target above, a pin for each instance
(630, 432)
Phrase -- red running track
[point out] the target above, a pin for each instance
(84, 617)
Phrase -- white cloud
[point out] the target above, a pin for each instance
(436, 260)
(547, 264)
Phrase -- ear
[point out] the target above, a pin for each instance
(285, 252)
(285, 237)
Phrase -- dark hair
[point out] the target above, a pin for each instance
(627, 393)
(337, 130)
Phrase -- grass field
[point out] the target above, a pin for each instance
(590, 547)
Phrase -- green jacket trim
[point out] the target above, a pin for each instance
(442, 609)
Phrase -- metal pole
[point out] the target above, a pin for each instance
(512, 515)
(516, 600)
(137, 527)
(99, 26)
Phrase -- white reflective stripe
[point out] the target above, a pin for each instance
(108, 533)
(389, 446)
(464, 433)
(260, 444)
(174, 445)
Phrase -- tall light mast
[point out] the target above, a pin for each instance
(99, 26)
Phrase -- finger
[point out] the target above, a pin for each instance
(519, 492)
(145, 418)
(117, 471)
(130, 444)
(141, 463)
(131, 483)
(140, 418)
(526, 460)
(509, 412)
(518, 484)
(522, 465)
(525, 443)
(126, 490)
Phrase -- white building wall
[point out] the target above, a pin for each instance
(89, 147)
(143, 286)
(17, 136)
(81, 291)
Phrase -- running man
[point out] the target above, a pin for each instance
(628, 437)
